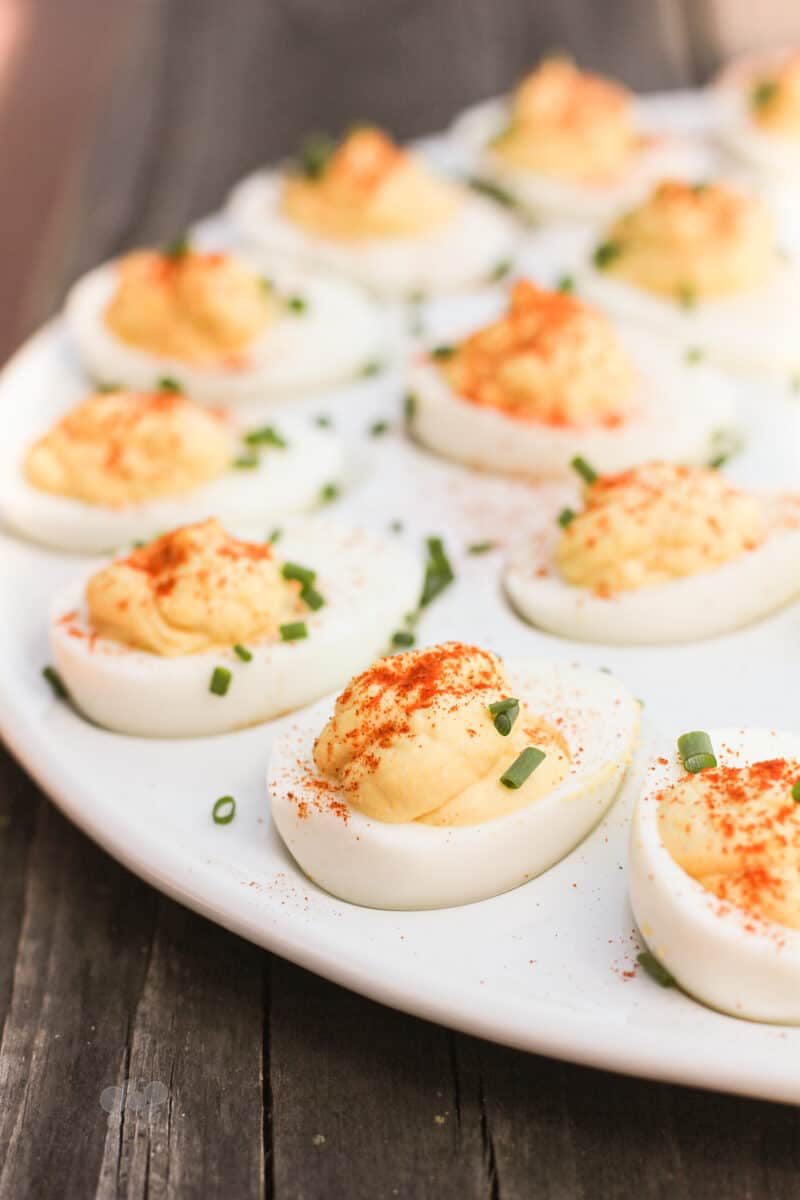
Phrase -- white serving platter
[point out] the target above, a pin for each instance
(549, 967)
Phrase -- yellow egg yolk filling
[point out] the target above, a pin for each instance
(654, 523)
(412, 739)
(122, 448)
(192, 590)
(370, 187)
(736, 830)
(202, 309)
(692, 242)
(569, 124)
(551, 358)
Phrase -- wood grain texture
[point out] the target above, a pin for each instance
(275, 1083)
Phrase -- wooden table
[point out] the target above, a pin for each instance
(248, 1077)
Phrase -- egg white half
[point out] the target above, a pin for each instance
(369, 585)
(339, 331)
(756, 333)
(697, 606)
(720, 954)
(682, 409)
(461, 254)
(415, 866)
(562, 199)
(287, 480)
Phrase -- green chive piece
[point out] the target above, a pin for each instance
(296, 304)
(275, 536)
(245, 462)
(224, 810)
(56, 682)
(403, 637)
(505, 713)
(480, 547)
(323, 421)
(310, 596)
(294, 631)
(304, 575)
(485, 187)
(659, 973)
(168, 384)
(266, 284)
(566, 284)
(566, 517)
(607, 253)
(105, 388)
(500, 270)
(584, 469)
(315, 154)
(796, 791)
(523, 767)
(764, 93)
(374, 367)
(417, 296)
(687, 295)
(242, 652)
(409, 407)
(220, 681)
(378, 428)
(267, 436)
(696, 751)
(695, 354)
(396, 526)
(438, 571)
(443, 352)
(329, 493)
(178, 248)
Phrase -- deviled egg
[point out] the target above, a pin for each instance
(568, 144)
(201, 632)
(442, 778)
(700, 263)
(715, 870)
(374, 210)
(553, 378)
(217, 327)
(659, 553)
(124, 465)
(760, 99)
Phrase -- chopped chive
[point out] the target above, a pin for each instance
(443, 352)
(137, 545)
(649, 963)
(694, 354)
(310, 596)
(696, 751)
(566, 517)
(304, 575)
(438, 571)
(794, 382)
(522, 767)
(409, 407)
(396, 526)
(266, 284)
(485, 187)
(480, 547)
(275, 536)
(168, 384)
(584, 469)
(242, 652)
(606, 253)
(178, 248)
(701, 187)
(105, 388)
(224, 810)
(764, 93)
(220, 681)
(505, 713)
(293, 631)
(323, 421)
(417, 296)
(267, 436)
(315, 154)
(566, 284)
(403, 637)
(796, 791)
(500, 270)
(378, 428)
(245, 462)
(56, 682)
(374, 367)
(501, 706)
(328, 493)
(296, 304)
(687, 295)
